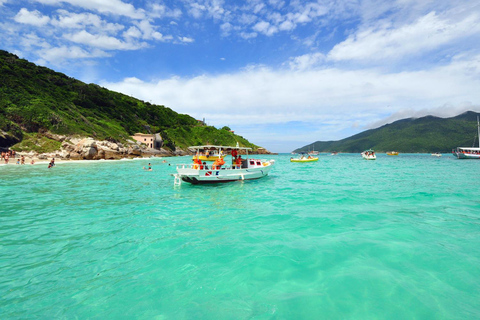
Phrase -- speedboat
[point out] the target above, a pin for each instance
(466, 152)
(436, 154)
(304, 158)
(369, 155)
(392, 153)
(240, 168)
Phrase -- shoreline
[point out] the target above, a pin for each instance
(63, 161)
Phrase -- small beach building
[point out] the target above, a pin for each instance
(153, 141)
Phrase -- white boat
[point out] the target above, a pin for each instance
(466, 152)
(239, 169)
(369, 155)
(436, 154)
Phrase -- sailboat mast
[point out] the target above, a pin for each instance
(478, 128)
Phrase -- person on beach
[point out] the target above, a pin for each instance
(32, 162)
(22, 160)
(52, 163)
(6, 158)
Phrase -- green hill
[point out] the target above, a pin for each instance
(427, 134)
(36, 100)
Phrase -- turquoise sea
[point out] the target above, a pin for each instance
(342, 238)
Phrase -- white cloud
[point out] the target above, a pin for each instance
(132, 32)
(59, 54)
(70, 20)
(186, 39)
(102, 41)
(262, 95)
(32, 41)
(149, 31)
(115, 7)
(197, 10)
(427, 33)
(265, 28)
(162, 11)
(306, 61)
(248, 35)
(31, 17)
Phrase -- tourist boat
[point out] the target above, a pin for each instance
(369, 155)
(436, 154)
(392, 153)
(240, 168)
(466, 152)
(208, 153)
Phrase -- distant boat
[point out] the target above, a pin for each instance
(392, 153)
(436, 154)
(208, 153)
(304, 158)
(334, 153)
(369, 155)
(468, 153)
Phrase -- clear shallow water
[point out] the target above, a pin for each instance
(342, 238)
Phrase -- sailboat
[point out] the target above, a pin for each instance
(466, 152)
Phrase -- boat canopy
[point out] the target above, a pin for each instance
(213, 147)
(469, 148)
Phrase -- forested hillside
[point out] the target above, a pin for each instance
(426, 134)
(36, 100)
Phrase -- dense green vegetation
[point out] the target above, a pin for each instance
(427, 134)
(35, 99)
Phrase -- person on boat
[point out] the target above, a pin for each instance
(205, 165)
(197, 163)
(238, 162)
(218, 163)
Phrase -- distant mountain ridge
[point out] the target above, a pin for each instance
(413, 135)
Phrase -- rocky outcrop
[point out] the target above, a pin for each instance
(262, 151)
(90, 149)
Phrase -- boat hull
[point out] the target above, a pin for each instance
(460, 155)
(193, 175)
(304, 160)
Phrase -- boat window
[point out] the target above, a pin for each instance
(259, 163)
(252, 162)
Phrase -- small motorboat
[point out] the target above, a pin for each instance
(304, 158)
(207, 153)
(392, 153)
(369, 155)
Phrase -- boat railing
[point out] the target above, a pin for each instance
(251, 163)
(208, 167)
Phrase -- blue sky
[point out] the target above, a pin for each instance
(282, 74)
